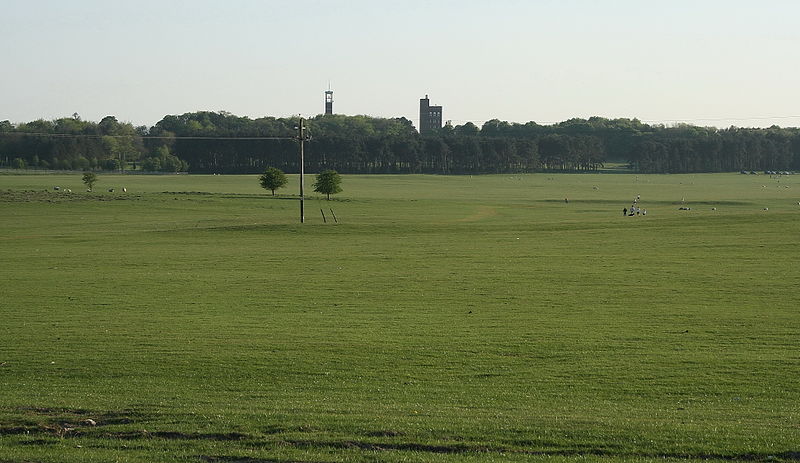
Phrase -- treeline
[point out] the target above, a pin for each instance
(220, 142)
(362, 144)
(70, 143)
(699, 149)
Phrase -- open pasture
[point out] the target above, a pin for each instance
(444, 318)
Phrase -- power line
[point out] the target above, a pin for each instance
(150, 137)
(478, 122)
(754, 118)
(708, 119)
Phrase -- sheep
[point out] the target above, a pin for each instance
(56, 188)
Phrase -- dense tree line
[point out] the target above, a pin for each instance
(220, 142)
(696, 149)
(70, 143)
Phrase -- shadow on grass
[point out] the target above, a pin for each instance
(256, 196)
(238, 459)
(648, 203)
(33, 196)
(577, 451)
(73, 423)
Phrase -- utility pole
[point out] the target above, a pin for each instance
(301, 137)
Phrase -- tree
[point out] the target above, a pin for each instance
(89, 178)
(151, 164)
(272, 179)
(80, 163)
(109, 126)
(328, 182)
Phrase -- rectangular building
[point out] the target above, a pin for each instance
(430, 117)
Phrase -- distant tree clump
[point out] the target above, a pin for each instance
(328, 182)
(272, 179)
(89, 178)
(162, 160)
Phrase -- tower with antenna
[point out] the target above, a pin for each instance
(329, 100)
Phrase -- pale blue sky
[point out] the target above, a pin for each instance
(705, 62)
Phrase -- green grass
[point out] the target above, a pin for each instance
(460, 318)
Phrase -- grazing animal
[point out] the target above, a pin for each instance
(56, 188)
(110, 190)
(124, 190)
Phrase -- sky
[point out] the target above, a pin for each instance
(703, 62)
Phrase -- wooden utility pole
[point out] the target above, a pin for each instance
(301, 137)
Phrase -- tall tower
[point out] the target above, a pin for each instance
(424, 104)
(329, 100)
(430, 117)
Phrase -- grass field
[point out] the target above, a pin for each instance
(442, 319)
